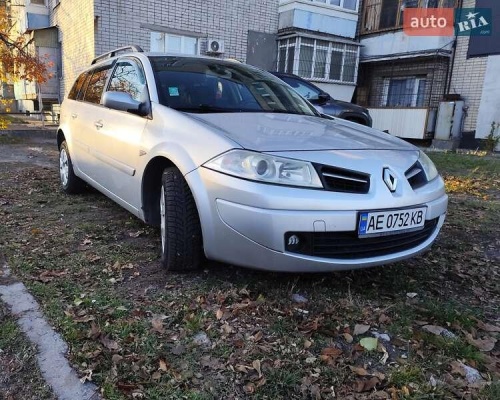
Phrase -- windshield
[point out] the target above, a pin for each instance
(202, 85)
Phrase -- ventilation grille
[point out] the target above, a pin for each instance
(416, 176)
(343, 180)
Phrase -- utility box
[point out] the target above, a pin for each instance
(449, 125)
(449, 120)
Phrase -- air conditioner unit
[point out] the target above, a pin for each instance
(215, 46)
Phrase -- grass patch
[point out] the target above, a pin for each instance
(96, 272)
(21, 378)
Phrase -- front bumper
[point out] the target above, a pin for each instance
(245, 223)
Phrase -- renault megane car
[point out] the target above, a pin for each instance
(235, 166)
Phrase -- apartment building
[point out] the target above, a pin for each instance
(402, 78)
(31, 18)
(240, 29)
(416, 85)
(317, 41)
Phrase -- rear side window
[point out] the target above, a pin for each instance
(76, 87)
(96, 85)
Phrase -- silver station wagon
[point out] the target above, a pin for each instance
(235, 166)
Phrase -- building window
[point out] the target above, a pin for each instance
(379, 15)
(39, 2)
(175, 44)
(347, 4)
(405, 91)
(317, 59)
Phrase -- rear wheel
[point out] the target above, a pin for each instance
(181, 240)
(70, 183)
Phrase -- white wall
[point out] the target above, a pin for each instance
(338, 92)
(398, 42)
(489, 108)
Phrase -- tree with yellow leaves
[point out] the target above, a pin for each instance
(17, 62)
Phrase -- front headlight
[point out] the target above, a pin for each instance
(265, 168)
(429, 168)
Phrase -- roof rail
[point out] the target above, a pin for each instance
(115, 52)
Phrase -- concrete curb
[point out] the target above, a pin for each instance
(27, 133)
(51, 348)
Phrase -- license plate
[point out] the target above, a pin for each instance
(378, 223)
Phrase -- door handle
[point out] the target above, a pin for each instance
(74, 115)
(98, 124)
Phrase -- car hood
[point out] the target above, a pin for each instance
(290, 132)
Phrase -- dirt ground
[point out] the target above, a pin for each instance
(226, 332)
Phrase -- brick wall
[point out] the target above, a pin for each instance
(75, 20)
(92, 27)
(468, 77)
(119, 21)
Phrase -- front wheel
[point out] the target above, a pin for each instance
(181, 240)
(70, 183)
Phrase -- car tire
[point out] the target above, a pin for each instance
(70, 183)
(181, 239)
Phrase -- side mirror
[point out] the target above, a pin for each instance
(323, 97)
(121, 101)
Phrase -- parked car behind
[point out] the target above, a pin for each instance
(324, 103)
(233, 164)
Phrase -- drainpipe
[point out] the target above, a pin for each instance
(450, 75)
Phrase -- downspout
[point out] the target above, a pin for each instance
(450, 75)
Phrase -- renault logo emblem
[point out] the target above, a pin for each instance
(390, 179)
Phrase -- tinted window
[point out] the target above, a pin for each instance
(305, 90)
(128, 77)
(211, 85)
(76, 87)
(96, 85)
(85, 84)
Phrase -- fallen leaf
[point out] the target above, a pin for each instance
(157, 323)
(485, 345)
(348, 337)
(256, 367)
(369, 344)
(487, 327)
(331, 352)
(365, 386)
(249, 388)
(135, 234)
(384, 319)
(116, 358)
(219, 314)
(307, 344)
(457, 368)
(258, 336)
(87, 376)
(108, 343)
(359, 370)
(163, 365)
(311, 360)
(156, 375)
(95, 331)
(360, 329)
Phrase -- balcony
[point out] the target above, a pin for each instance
(387, 15)
(335, 17)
